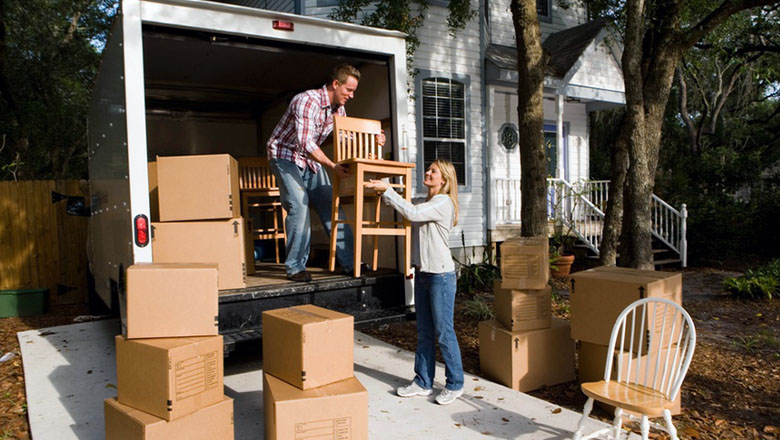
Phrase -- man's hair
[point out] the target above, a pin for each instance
(342, 72)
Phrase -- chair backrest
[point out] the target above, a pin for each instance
(661, 357)
(254, 173)
(355, 138)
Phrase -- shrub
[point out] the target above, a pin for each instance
(476, 277)
(758, 283)
(477, 308)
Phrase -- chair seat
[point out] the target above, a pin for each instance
(631, 397)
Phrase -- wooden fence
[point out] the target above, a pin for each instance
(41, 245)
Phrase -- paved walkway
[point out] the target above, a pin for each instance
(69, 370)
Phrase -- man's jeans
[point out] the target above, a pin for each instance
(434, 301)
(298, 187)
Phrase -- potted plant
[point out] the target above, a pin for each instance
(562, 238)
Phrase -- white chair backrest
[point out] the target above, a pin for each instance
(652, 344)
(356, 138)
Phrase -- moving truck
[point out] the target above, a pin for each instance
(186, 77)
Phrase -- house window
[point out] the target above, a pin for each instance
(508, 136)
(544, 9)
(444, 123)
(321, 3)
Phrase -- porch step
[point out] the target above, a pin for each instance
(666, 261)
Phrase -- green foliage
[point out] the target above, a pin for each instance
(476, 277)
(401, 15)
(49, 54)
(477, 308)
(759, 283)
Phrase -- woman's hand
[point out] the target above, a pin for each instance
(378, 185)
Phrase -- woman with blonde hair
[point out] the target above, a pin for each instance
(434, 290)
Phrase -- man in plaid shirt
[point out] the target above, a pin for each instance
(296, 159)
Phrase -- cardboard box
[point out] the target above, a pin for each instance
(214, 422)
(308, 346)
(171, 299)
(198, 187)
(249, 247)
(526, 361)
(219, 241)
(169, 377)
(519, 310)
(591, 359)
(525, 263)
(599, 295)
(338, 411)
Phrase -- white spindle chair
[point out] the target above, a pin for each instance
(649, 373)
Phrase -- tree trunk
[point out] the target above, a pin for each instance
(533, 166)
(613, 217)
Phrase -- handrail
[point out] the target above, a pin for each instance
(585, 203)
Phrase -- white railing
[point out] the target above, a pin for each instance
(570, 209)
(584, 203)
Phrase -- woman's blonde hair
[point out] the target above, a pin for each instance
(450, 186)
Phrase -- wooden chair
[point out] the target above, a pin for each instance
(646, 383)
(355, 145)
(256, 181)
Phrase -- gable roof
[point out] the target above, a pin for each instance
(566, 47)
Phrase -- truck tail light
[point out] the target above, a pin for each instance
(141, 224)
(283, 25)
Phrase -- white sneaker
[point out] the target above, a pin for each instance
(412, 390)
(448, 396)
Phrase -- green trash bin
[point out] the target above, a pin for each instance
(25, 302)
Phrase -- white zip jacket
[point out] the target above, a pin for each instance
(431, 224)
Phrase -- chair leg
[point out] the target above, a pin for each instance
(617, 423)
(669, 425)
(585, 413)
(358, 177)
(645, 427)
(375, 261)
(334, 223)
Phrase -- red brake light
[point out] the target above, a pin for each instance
(282, 25)
(141, 230)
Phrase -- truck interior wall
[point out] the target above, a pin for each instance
(191, 113)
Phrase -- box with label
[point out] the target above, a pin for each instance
(599, 295)
(527, 360)
(338, 411)
(591, 360)
(219, 242)
(198, 187)
(525, 263)
(171, 299)
(308, 346)
(169, 377)
(213, 422)
(525, 309)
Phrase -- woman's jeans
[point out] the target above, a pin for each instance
(298, 187)
(434, 300)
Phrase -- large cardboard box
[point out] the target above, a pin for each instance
(338, 411)
(308, 346)
(214, 422)
(169, 377)
(591, 359)
(198, 187)
(154, 198)
(526, 309)
(600, 294)
(219, 241)
(171, 299)
(525, 263)
(529, 360)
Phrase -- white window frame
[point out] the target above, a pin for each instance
(464, 186)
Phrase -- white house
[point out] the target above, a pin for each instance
(463, 102)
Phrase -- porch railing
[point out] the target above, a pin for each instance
(582, 205)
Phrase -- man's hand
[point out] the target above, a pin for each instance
(342, 170)
(380, 139)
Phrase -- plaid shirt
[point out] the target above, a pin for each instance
(305, 125)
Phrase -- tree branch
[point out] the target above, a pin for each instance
(726, 9)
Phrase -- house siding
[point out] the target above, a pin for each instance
(272, 5)
(599, 68)
(502, 30)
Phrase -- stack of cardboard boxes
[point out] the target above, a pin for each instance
(525, 348)
(169, 360)
(309, 388)
(598, 296)
(197, 201)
